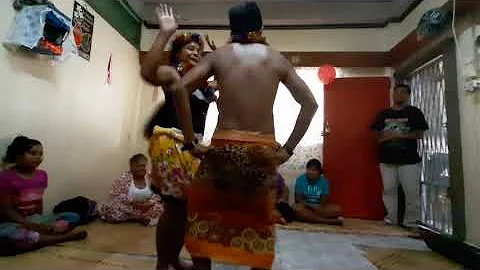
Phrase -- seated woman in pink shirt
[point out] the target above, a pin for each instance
(22, 226)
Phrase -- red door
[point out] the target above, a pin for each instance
(350, 150)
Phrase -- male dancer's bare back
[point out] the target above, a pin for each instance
(248, 76)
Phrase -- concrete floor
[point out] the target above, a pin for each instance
(130, 246)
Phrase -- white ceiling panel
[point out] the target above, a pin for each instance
(284, 13)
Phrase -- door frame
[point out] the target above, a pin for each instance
(456, 190)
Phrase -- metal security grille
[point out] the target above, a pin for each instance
(428, 94)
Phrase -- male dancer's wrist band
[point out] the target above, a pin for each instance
(189, 146)
(155, 189)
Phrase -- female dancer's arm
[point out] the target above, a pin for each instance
(182, 91)
(155, 65)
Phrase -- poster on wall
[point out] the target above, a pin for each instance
(82, 30)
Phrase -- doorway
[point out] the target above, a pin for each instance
(351, 159)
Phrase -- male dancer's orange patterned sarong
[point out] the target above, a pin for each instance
(230, 201)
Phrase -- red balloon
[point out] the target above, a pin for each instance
(327, 74)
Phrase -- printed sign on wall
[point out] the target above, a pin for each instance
(82, 30)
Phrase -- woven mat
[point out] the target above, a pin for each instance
(402, 259)
(108, 245)
(350, 226)
(131, 238)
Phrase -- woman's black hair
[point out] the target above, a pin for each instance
(181, 41)
(18, 147)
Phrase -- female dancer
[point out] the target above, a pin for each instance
(172, 168)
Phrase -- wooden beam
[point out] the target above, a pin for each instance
(338, 59)
(406, 47)
(422, 55)
(413, 51)
(118, 15)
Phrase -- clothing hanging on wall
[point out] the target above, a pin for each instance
(40, 28)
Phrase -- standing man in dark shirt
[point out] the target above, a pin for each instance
(398, 130)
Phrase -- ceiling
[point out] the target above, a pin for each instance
(300, 14)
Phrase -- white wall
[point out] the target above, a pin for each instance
(470, 129)
(89, 129)
(381, 39)
(301, 40)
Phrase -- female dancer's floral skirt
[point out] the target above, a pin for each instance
(172, 168)
(231, 203)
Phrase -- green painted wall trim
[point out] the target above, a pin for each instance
(116, 14)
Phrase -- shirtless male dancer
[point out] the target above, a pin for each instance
(229, 206)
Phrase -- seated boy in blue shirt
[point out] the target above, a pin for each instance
(311, 196)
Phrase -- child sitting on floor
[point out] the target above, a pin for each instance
(311, 197)
(22, 226)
